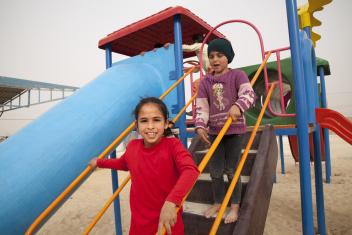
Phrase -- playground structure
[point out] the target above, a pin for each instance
(149, 75)
(19, 93)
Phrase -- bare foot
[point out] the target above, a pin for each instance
(232, 216)
(212, 210)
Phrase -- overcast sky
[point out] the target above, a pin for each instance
(56, 41)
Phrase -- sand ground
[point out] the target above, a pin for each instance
(284, 215)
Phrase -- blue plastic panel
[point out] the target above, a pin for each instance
(41, 160)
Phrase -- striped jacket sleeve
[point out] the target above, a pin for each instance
(202, 107)
(246, 95)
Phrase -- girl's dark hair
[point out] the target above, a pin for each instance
(162, 107)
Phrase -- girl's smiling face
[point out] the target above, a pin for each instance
(151, 124)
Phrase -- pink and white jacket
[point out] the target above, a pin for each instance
(217, 94)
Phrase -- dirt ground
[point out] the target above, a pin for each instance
(284, 215)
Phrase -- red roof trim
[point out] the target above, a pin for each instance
(153, 19)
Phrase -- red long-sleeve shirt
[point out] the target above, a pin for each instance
(163, 172)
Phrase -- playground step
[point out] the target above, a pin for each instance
(198, 157)
(196, 224)
(202, 193)
(255, 143)
(255, 194)
(190, 129)
(198, 145)
(206, 177)
(204, 151)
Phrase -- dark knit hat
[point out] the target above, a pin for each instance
(222, 45)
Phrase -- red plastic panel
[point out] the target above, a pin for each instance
(336, 122)
(158, 28)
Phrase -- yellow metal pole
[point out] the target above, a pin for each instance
(254, 79)
(86, 171)
(176, 83)
(215, 144)
(74, 183)
(184, 108)
(217, 221)
(106, 206)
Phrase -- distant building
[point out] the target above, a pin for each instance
(19, 93)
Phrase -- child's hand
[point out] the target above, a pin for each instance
(195, 86)
(93, 163)
(234, 112)
(203, 135)
(168, 217)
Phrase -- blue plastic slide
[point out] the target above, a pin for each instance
(42, 159)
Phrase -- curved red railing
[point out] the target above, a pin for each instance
(263, 53)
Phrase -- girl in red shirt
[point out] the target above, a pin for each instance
(162, 171)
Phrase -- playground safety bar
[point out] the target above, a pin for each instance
(217, 221)
(277, 52)
(256, 75)
(84, 174)
(284, 114)
(125, 181)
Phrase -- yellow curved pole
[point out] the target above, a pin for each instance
(254, 79)
(176, 83)
(86, 171)
(184, 108)
(117, 192)
(215, 144)
(74, 183)
(224, 204)
(107, 204)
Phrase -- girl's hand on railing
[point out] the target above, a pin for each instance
(93, 163)
(234, 112)
(195, 86)
(203, 135)
(168, 217)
